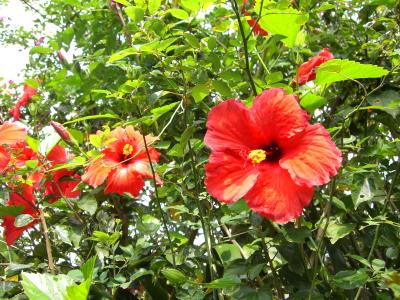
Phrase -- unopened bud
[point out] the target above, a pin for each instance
(61, 130)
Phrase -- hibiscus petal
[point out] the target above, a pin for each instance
(4, 158)
(230, 126)
(276, 196)
(141, 164)
(57, 155)
(98, 171)
(11, 133)
(229, 176)
(124, 180)
(279, 115)
(311, 157)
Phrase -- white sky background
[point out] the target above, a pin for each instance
(13, 58)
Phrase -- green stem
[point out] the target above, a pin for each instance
(164, 221)
(320, 236)
(245, 48)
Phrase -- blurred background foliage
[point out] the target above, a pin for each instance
(160, 66)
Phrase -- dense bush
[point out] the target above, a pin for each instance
(243, 199)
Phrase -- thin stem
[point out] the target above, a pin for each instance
(320, 237)
(229, 234)
(245, 48)
(277, 281)
(47, 240)
(124, 219)
(164, 221)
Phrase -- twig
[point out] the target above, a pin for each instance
(164, 221)
(47, 240)
(229, 234)
(246, 51)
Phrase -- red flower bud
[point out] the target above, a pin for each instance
(61, 130)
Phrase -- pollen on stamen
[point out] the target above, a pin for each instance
(257, 156)
(127, 150)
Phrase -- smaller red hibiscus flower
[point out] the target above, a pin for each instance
(29, 92)
(268, 154)
(253, 23)
(306, 70)
(63, 182)
(124, 163)
(21, 196)
(10, 134)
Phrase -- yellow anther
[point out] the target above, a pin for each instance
(127, 150)
(257, 156)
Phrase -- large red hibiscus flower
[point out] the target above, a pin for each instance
(62, 182)
(22, 196)
(306, 70)
(10, 134)
(124, 163)
(268, 154)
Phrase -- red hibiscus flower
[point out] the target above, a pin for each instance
(10, 134)
(29, 92)
(63, 182)
(124, 163)
(306, 70)
(25, 198)
(253, 23)
(268, 154)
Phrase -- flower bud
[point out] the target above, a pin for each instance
(61, 130)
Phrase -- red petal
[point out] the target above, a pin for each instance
(98, 171)
(11, 233)
(124, 179)
(4, 158)
(141, 163)
(276, 196)
(230, 126)
(229, 175)
(279, 115)
(11, 133)
(311, 157)
(57, 155)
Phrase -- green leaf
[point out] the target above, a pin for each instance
(123, 2)
(343, 69)
(349, 280)
(193, 5)
(12, 210)
(105, 116)
(153, 6)
(122, 54)
(174, 275)
(23, 220)
(192, 40)
(311, 102)
(41, 50)
(224, 282)
(178, 13)
(337, 231)
(222, 88)
(33, 143)
(46, 286)
(227, 252)
(200, 91)
(286, 22)
(135, 13)
(148, 224)
(388, 101)
(88, 203)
